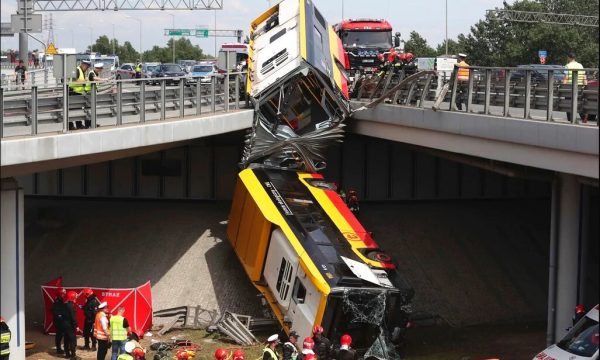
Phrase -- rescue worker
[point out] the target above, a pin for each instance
(345, 352)
(462, 82)
(290, 351)
(119, 327)
(101, 331)
(238, 355)
(322, 344)
(89, 311)
(572, 65)
(579, 313)
(58, 314)
(353, 203)
(70, 326)
(269, 350)
(4, 340)
(221, 354)
(78, 87)
(307, 348)
(310, 357)
(138, 70)
(128, 350)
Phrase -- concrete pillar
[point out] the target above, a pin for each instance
(12, 305)
(567, 252)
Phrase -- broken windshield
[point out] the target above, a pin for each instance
(371, 39)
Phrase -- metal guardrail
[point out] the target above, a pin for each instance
(120, 102)
(507, 92)
(9, 80)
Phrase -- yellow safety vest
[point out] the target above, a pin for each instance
(574, 65)
(88, 86)
(79, 87)
(463, 71)
(271, 353)
(117, 331)
(4, 342)
(138, 68)
(125, 357)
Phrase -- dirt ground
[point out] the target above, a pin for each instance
(506, 342)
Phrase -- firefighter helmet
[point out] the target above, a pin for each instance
(238, 355)
(309, 343)
(71, 295)
(318, 329)
(221, 354)
(346, 340)
(87, 292)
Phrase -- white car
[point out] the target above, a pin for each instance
(581, 342)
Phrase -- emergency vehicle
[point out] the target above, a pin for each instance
(580, 343)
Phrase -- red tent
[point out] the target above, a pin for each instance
(137, 303)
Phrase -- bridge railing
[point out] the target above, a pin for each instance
(41, 77)
(117, 102)
(523, 92)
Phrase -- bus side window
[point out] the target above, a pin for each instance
(299, 294)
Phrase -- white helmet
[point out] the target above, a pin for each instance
(129, 346)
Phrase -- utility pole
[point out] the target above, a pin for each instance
(173, 39)
(446, 27)
(114, 40)
(215, 33)
(22, 8)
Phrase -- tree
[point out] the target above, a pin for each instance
(454, 46)
(417, 45)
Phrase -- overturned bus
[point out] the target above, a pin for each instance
(298, 242)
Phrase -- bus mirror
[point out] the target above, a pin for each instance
(397, 39)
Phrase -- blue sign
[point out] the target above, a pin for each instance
(542, 53)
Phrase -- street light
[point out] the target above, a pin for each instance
(173, 38)
(446, 27)
(140, 21)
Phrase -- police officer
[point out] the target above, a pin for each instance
(58, 317)
(138, 70)
(89, 310)
(78, 87)
(322, 344)
(345, 352)
(70, 324)
(290, 351)
(269, 350)
(4, 340)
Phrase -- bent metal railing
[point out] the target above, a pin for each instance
(117, 102)
(523, 92)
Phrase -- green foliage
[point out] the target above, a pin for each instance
(126, 52)
(417, 45)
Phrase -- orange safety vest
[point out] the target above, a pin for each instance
(99, 332)
(463, 71)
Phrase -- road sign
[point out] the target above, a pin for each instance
(179, 32)
(34, 23)
(542, 53)
(51, 50)
(202, 33)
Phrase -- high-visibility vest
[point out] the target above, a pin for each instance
(138, 68)
(271, 353)
(125, 357)
(4, 340)
(99, 332)
(78, 87)
(574, 65)
(88, 86)
(463, 71)
(117, 331)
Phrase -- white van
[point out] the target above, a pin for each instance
(581, 342)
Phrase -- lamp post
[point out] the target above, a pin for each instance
(114, 40)
(139, 21)
(173, 38)
(446, 27)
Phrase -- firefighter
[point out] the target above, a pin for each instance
(290, 351)
(269, 350)
(322, 344)
(70, 326)
(238, 355)
(101, 332)
(89, 310)
(345, 352)
(353, 204)
(307, 348)
(221, 354)
(579, 313)
(58, 314)
(129, 349)
(4, 339)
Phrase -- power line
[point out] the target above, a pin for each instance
(94, 5)
(539, 17)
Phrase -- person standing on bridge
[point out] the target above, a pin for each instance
(20, 74)
(138, 70)
(573, 65)
(78, 87)
(462, 82)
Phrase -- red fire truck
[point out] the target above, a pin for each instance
(363, 40)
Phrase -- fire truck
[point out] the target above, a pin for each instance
(363, 40)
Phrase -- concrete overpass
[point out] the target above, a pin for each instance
(565, 153)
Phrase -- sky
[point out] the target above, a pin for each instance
(75, 29)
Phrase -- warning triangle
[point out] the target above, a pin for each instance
(51, 49)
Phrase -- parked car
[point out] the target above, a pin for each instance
(168, 70)
(539, 73)
(203, 72)
(581, 342)
(148, 69)
(126, 71)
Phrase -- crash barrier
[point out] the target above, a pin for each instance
(527, 89)
(116, 100)
(42, 77)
